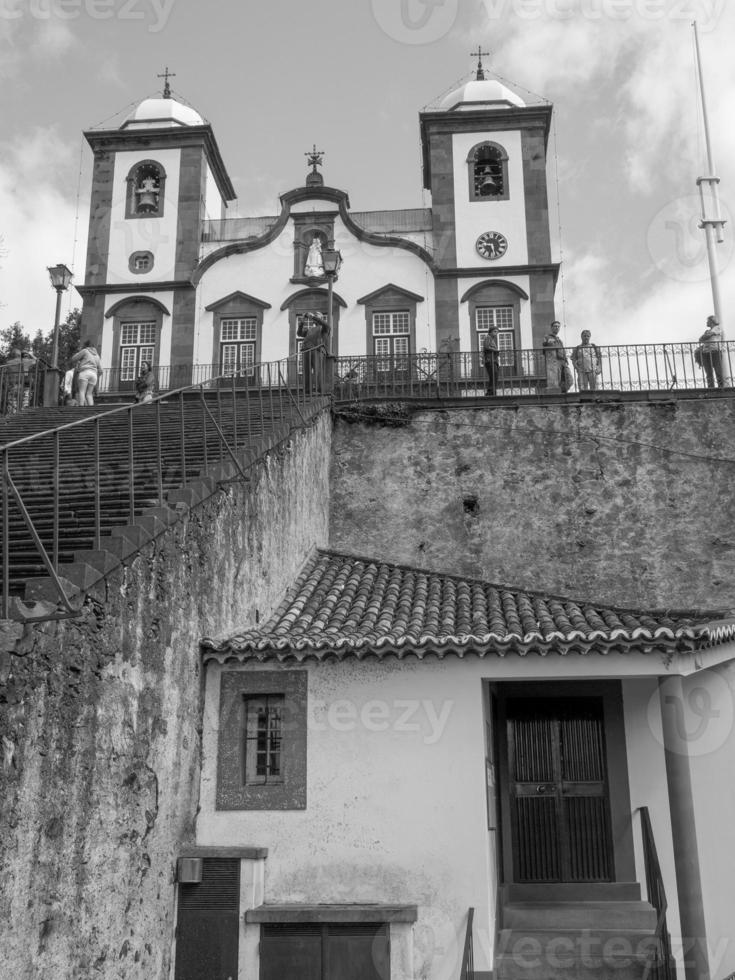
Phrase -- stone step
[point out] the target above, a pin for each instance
(579, 915)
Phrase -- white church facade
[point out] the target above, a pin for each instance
(171, 279)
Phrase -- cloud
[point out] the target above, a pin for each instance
(38, 226)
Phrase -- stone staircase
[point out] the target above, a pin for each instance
(601, 937)
(135, 502)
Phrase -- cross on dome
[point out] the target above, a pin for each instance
(166, 74)
(480, 76)
(314, 178)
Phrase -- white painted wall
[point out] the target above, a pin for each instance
(397, 805)
(266, 273)
(156, 235)
(212, 196)
(475, 217)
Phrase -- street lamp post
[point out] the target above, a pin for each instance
(60, 279)
(332, 260)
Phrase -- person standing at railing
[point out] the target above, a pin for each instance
(18, 394)
(710, 353)
(89, 369)
(145, 384)
(558, 375)
(587, 362)
(491, 359)
(314, 335)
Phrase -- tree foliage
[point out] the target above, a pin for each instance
(15, 337)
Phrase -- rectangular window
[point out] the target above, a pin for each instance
(262, 756)
(325, 952)
(261, 759)
(238, 338)
(391, 341)
(502, 318)
(137, 344)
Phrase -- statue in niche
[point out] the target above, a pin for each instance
(314, 266)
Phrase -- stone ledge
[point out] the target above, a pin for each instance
(243, 853)
(333, 913)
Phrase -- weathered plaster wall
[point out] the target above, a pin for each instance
(628, 503)
(100, 726)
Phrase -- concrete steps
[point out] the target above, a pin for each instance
(575, 940)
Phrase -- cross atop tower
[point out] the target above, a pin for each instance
(314, 159)
(166, 87)
(480, 76)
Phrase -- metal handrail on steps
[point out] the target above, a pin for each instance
(659, 966)
(270, 391)
(467, 969)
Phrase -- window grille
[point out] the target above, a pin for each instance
(263, 739)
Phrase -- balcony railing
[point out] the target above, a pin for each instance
(522, 373)
(236, 229)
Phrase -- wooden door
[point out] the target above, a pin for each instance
(207, 923)
(324, 952)
(558, 789)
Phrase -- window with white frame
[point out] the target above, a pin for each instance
(391, 340)
(238, 337)
(137, 344)
(501, 317)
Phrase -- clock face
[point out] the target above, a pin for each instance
(491, 245)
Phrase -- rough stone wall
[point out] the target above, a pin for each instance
(100, 726)
(619, 502)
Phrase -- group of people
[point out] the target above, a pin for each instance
(587, 359)
(82, 378)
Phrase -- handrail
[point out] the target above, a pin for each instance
(660, 965)
(228, 443)
(467, 969)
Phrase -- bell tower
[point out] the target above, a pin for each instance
(156, 180)
(484, 161)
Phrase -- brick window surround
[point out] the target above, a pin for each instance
(488, 159)
(145, 169)
(289, 791)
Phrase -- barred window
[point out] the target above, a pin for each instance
(263, 739)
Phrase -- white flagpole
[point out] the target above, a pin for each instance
(714, 228)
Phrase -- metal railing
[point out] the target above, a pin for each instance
(660, 965)
(128, 458)
(521, 373)
(394, 222)
(525, 373)
(22, 384)
(467, 969)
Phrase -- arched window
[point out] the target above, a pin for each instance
(488, 172)
(146, 182)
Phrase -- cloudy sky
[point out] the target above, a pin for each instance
(275, 77)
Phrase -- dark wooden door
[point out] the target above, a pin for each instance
(207, 923)
(324, 952)
(559, 806)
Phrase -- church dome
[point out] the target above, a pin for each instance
(480, 94)
(161, 113)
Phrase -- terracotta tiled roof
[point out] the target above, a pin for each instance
(343, 606)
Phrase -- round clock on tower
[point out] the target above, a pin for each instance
(491, 245)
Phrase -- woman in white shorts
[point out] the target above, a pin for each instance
(89, 368)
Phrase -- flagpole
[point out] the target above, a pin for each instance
(714, 228)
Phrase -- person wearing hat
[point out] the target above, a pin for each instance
(314, 334)
(711, 354)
